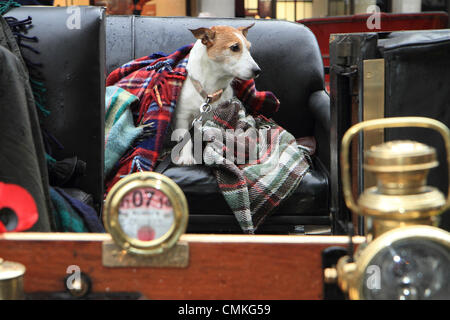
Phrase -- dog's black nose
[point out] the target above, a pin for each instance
(256, 72)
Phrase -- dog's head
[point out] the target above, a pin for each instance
(229, 48)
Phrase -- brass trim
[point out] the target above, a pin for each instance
(373, 108)
(330, 275)
(409, 206)
(175, 257)
(401, 168)
(144, 180)
(400, 156)
(11, 280)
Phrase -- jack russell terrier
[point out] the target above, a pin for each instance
(220, 54)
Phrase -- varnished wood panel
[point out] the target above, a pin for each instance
(220, 267)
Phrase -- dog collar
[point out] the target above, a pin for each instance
(209, 98)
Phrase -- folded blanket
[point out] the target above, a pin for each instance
(256, 162)
(155, 81)
(67, 218)
(120, 131)
(72, 215)
(86, 212)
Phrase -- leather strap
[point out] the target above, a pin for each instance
(164, 164)
(211, 98)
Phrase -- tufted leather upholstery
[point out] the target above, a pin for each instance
(76, 61)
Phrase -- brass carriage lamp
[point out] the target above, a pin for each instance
(405, 256)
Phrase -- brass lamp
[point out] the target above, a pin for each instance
(405, 255)
(11, 280)
(401, 196)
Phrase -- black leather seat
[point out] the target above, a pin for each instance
(292, 68)
(210, 212)
(75, 62)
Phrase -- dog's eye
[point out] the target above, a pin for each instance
(235, 48)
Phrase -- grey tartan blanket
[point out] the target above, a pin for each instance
(257, 163)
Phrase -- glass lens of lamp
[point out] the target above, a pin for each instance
(409, 269)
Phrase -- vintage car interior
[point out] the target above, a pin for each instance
(379, 131)
(305, 111)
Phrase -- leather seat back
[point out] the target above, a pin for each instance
(71, 42)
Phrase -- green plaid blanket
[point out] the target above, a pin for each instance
(257, 163)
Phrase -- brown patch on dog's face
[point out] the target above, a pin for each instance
(223, 42)
(244, 30)
(206, 35)
(227, 43)
(229, 48)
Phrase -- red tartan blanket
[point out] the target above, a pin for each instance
(156, 81)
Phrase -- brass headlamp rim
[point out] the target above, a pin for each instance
(355, 283)
(395, 122)
(143, 180)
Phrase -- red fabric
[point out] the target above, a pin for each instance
(21, 202)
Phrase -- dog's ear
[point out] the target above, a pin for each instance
(244, 30)
(206, 35)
